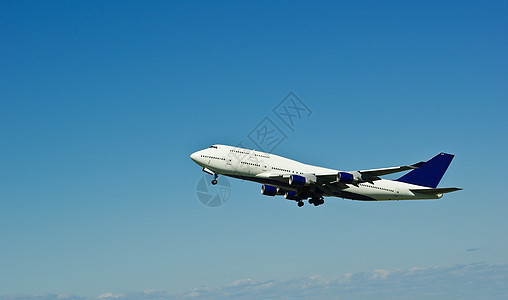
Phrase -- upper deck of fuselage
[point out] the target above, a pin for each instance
(276, 164)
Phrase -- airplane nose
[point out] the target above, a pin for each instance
(194, 156)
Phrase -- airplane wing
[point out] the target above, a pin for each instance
(367, 175)
(322, 179)
(330, 180)
(386, 171)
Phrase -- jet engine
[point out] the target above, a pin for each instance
(297, 180)
(294, 195)
(268, 190)
(291, 195)
(346, 177)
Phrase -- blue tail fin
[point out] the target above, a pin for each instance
(430, 173)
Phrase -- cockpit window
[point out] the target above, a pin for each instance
(213, 147)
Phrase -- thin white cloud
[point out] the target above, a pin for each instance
(110, 296)
(42, 297)
(471, 281)
(380, 274)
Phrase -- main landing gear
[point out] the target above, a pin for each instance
(316, 201)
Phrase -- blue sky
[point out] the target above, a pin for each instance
(102, 103)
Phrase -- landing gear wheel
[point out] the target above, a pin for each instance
(214, 181)
(316, 201)
(300, 203)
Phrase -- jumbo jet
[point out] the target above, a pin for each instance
(298, 181)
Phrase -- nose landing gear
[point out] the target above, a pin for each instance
(214, 181)
(215, 175)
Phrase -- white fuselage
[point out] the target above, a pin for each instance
(256, 166)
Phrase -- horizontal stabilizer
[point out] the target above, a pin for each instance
(435, 191)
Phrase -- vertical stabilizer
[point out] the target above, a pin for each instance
(430, 173)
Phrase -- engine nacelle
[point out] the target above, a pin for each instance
(269, 190)
(297, 180)
(291, 195)
(281, 191)
(346, 177)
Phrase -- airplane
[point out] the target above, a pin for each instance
(298, 181)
